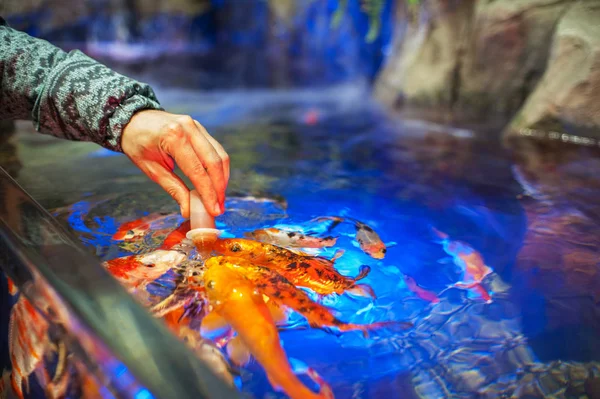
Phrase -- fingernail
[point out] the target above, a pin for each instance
(218, 209)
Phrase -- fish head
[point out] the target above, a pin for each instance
(130, 230)
(234, 246)
(376, 250)
(223, 284)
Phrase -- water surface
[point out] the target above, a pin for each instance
(529, 208)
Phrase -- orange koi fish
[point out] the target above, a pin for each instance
(368, 240)
(235, 298)
(291, 239)
(28, 343)
(283, 292)
(138, 227)
(176, 236)
(422, 293)
(314, 272)
(137, 271)
(470, 262)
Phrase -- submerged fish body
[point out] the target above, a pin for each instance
(286, 238)
(281, 291)
(367, 238)
(419, 291)
(470, 262)
(235, 298)
(316, 273)
(136, 271)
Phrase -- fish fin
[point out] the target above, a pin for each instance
(446, 260)
(329, 330)
(363, 272)
(390, 244)
(362, 290)
(338, 254)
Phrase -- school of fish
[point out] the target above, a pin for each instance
(230, 308)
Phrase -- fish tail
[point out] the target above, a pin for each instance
(439, 234)
(338, 254)
(482, 292)
(362, 290)
(336, 220)
(363, 272)
(325, 391)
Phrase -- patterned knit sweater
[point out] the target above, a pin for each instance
(67, 95)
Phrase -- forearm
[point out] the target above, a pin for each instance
(67, 95)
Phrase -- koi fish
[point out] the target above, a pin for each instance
(470, 262)
(314, 272)
(281, 291)
(138, 227)
(291, 239)
(368, 240)
(176, 236)
(422, 293)
(28, 343)
(137, 271)
(235, 298)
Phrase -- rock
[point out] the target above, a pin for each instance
(475, 60)
(567, 99)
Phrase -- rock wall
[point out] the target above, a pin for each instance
(465, 61)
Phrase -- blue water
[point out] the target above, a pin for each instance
(401, 178)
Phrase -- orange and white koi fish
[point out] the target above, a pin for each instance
(314, 272)
(28, 343)
(137, 271)
(470, 262)
(235, 298)
(138, 227)
(281, 291)
(368, 240)
(286, 238)
(421, 292)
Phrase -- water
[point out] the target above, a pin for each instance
(529, 210)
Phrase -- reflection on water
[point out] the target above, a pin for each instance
(529, 210)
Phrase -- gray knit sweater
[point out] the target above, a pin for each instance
(67, 95)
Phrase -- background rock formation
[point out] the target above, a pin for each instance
(482, 61)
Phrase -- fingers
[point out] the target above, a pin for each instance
(171, 183)
(220, 151)
(212, 162)
(201, 158)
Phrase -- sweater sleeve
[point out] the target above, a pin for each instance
(67, 95)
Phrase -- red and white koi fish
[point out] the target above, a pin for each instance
(471, 264)
(137, 271)
(138, 227)
(368, 240)
(421, 292)
(286, 238)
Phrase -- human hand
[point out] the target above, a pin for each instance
(155, 140)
